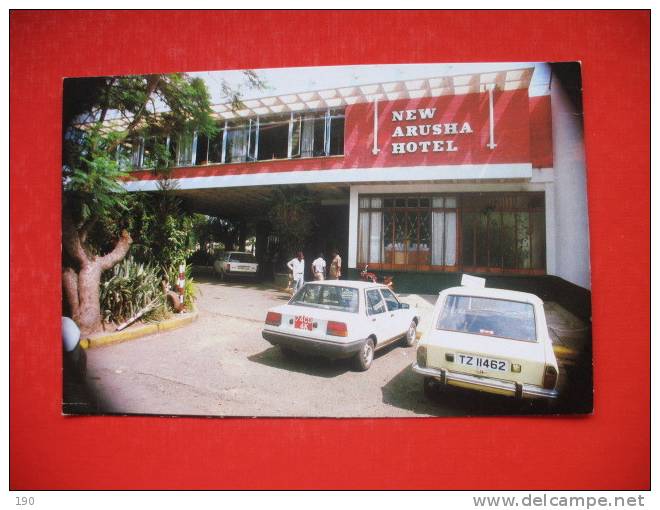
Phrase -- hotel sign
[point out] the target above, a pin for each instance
(426, 135)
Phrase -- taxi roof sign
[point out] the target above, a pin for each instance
(473, 281)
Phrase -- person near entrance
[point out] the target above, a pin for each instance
(335, 266)
(297, 267)
(318, 268)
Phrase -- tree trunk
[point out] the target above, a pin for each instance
(81, 287)
(88, 314)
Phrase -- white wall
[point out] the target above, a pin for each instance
(570, 235)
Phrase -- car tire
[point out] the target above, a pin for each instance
(365, 356)
(411, 335)
(431, 387)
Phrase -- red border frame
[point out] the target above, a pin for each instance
(609, 450)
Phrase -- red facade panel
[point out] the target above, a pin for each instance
(431, 131)
(540, 131)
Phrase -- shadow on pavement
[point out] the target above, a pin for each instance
(302, 363)
(405, 391)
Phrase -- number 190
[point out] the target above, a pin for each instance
(24, 500)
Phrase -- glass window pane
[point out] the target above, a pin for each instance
(363, 236)
(375, 237)
(468, 237)
(375, 303)
(364, 202)
(495, 252)
(273, 137)
(450, 238)
(538, 240)
(523, 240)
(424, 202)
(388, 202)
(201, 156)
(376, 203)
(508, 240)
(399, 202)
(413, 202)
(438, 202)
(437, 257)
(482, 240)
(336, 136)
(450, 202)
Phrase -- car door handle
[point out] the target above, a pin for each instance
(391, 315)
(373, 320)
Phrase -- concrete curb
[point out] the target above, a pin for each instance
(138, 332)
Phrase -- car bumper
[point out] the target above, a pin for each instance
(487, 384)
(329, 349)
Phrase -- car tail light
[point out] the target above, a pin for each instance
(227, 267)
(516, 368)
(273, 318)
(550, 377)
(421, 356)
(336, 329)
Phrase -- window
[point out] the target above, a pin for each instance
(315, 134)
(264, 138)
(330, 297)
(407, 231)
(273, 137)
(375, 303)
(390, 300)
(480, 232)
(504, 232)
(489, 317)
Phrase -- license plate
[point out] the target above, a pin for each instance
(482, 363)
(302, 322)
(243, 268)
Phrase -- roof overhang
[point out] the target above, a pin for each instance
(513, 79)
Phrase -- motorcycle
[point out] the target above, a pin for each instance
(367, 276)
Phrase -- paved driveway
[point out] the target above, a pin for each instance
(220, 365)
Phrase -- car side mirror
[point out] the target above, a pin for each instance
(404, 306)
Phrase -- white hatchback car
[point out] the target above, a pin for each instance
(341, 319)
(490, 340)
(236, 263)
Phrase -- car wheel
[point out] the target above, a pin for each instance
(364, 358)
(431, 387)
(411, 335)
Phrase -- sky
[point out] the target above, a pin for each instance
(301, 79)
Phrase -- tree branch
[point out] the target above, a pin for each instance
(118, 253)
(71, 240)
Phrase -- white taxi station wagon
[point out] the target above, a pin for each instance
(341, 319)
(491, 340)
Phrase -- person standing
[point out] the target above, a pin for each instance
(297, 267)
(335, 266)
(318, 268)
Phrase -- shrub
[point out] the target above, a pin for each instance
(128, 288)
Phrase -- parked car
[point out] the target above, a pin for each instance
(489, 340)
(236, 264)
(341, 319)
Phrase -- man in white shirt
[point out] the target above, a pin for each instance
(318, 268)
(297, 267)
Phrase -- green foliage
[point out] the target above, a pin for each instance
(129, 287)
(163, 230)
(291, 218)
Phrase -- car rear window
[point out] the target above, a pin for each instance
(488, 317)
(329, 297)
(247, 258)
